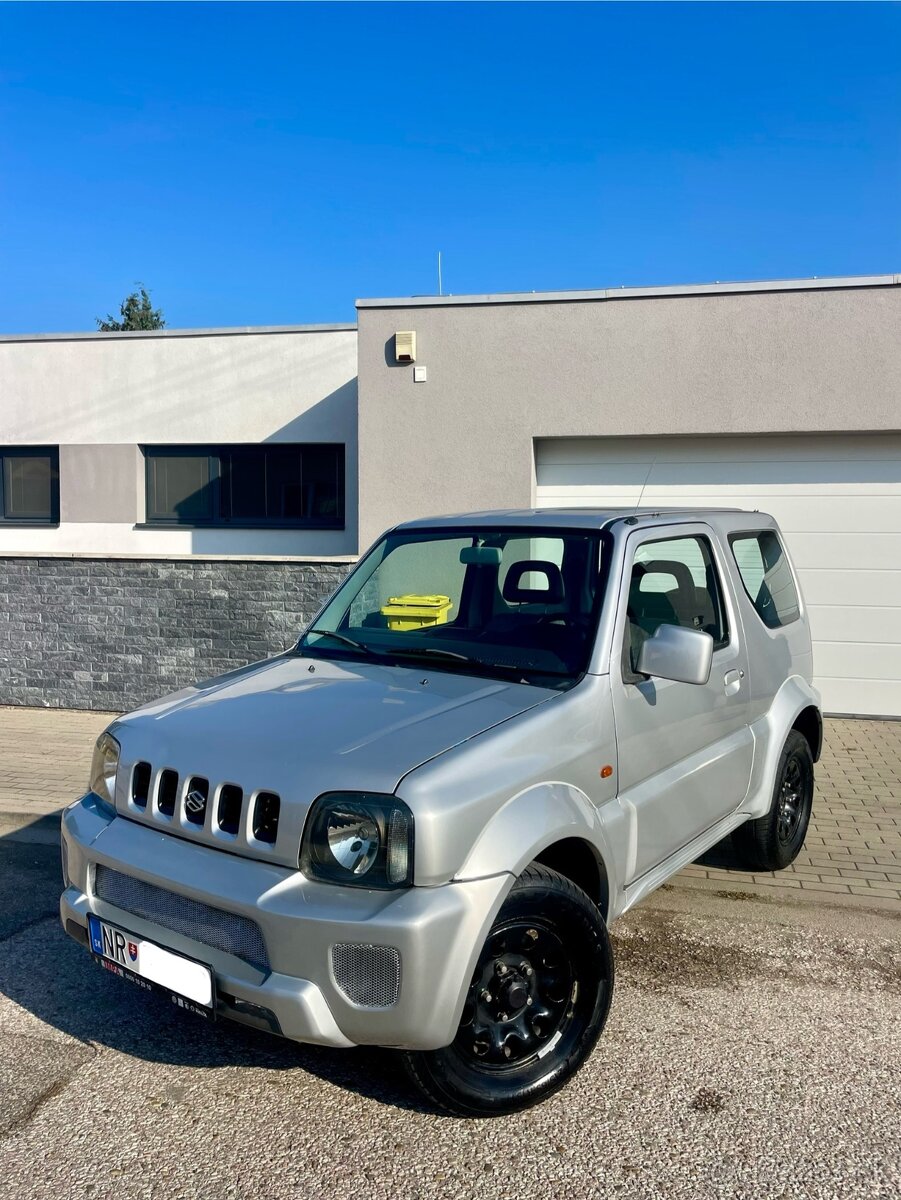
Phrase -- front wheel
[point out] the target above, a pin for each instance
(775, 839)
(536, 1005)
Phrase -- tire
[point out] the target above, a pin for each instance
(535, 1008)
(774, 840)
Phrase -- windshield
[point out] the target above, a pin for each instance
(500, 602)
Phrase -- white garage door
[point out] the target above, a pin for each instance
(837, 499)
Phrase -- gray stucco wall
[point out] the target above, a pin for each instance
(111, 634)
(502, 374)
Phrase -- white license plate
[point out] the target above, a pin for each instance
(190, 984)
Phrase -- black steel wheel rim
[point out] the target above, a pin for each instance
(522, 1000)
(792, 800)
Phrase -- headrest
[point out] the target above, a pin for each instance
(680, 571)
(551, 593)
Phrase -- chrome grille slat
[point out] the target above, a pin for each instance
(214, 927)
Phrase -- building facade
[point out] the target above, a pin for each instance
(174, 504)
(198, 492)
(780, 396)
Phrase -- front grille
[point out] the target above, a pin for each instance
(201, 922)
(195, 805)
(367, 975)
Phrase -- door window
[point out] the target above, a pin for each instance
(673, 582)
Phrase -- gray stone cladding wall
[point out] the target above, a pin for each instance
(110, 634)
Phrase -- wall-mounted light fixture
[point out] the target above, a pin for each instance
(405, 346)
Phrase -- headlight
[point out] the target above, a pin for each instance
(358, 839)
(104, 766)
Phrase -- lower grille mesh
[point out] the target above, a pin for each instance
(223, 931)
(367, 975)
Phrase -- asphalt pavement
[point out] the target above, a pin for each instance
(753, 1050)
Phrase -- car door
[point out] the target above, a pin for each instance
(684, 750)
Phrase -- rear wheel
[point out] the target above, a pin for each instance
(775, 840)
(536, 1004)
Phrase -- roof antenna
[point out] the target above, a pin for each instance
(440, 292)
(644, 485)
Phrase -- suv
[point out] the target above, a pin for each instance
(413, 828)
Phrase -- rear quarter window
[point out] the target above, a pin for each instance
(766, 576)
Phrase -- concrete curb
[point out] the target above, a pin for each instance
(737, 890)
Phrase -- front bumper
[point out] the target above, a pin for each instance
(437, 932)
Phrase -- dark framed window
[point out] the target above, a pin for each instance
(288, 485)
(29, 485)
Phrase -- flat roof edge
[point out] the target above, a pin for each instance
(130, 335)
(825, 283)
(572, 516)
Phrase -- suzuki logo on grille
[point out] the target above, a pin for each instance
(195, 802)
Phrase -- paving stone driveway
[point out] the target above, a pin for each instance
(852, 854)
(853, 847)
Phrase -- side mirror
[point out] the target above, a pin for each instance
(677, 653)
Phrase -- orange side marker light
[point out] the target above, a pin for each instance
(606, 771)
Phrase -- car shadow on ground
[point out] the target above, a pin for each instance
(724, 856)
(53, 978)
(50, 976)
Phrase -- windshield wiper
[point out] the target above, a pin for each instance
(341, 637)
(415, 651)
(455, 656)
(425, 651)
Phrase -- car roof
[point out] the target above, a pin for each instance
(594, 518)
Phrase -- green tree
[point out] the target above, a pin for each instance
(136, 312)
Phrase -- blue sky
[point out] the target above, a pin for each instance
(268, 164)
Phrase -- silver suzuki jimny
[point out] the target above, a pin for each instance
(413, 828)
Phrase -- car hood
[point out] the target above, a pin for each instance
(299, 727)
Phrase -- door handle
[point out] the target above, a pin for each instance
(732, 681)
